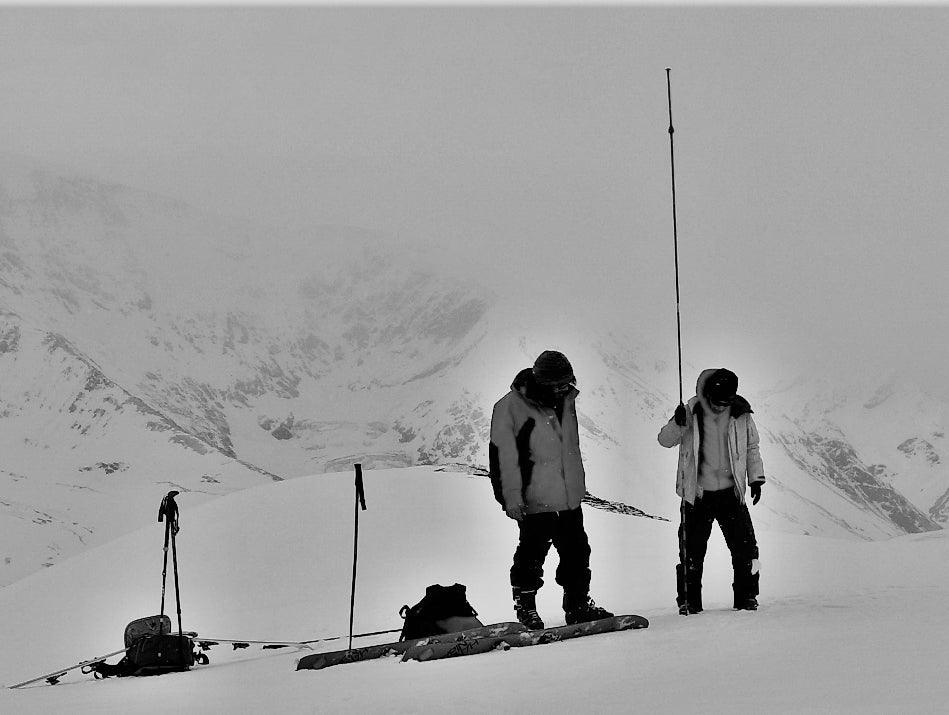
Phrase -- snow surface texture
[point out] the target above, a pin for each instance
(844, 627)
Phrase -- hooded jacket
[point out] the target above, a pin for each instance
(534, 456)
(742, 436)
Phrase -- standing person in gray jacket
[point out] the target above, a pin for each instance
(718, 459)
(539, 481)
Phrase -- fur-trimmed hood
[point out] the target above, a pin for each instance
(525, 385)
(739, 406)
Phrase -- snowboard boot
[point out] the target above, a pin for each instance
(694, 604)
(745, 586)
(525, 606)
(581, 609)
(749, 603)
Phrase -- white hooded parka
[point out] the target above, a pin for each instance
(744, 455)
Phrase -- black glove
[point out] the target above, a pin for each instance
(755, 492)
(679, 415)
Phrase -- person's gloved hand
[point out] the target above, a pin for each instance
(515, 512)
(679, 415)
(755, 492)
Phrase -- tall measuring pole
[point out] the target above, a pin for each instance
(682, 569)
(675, 229)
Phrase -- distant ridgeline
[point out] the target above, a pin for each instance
(617, 507)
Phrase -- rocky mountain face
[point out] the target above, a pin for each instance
(875, 442)
(145, 347)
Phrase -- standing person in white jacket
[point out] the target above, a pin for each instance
(718, 459)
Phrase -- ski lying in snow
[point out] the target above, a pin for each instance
(206, 643)
(318, 661)
(203, 644)
(484, 644)
(53, 678)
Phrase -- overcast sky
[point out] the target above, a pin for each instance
(811, 151)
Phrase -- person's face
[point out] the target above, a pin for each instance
(554, 394)
(560, 391)
(719, 407)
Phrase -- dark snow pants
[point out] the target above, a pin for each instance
(563, 529)
(735, 522)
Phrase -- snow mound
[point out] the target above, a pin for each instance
(844, 626)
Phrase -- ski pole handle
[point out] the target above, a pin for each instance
(169, 509)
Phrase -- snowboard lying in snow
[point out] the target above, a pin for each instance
(483, 644)
(318, 661)
(475, 640)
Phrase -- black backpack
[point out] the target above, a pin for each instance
(151, 649)
(443, 609)
(155, 654)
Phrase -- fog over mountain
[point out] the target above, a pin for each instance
(145, 345)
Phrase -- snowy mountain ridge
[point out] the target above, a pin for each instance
(245, 355)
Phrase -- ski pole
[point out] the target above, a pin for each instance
(360, 502)
(174, 561)
(675, 231)
(683, 552)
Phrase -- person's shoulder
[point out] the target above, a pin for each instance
(741, 408)
(518, 387)
(509, 398)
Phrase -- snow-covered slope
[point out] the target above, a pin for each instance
(78, 449)
(264, 354)
(845, 626)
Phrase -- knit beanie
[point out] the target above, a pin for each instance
(552, 368)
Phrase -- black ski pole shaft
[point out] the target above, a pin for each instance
(360, 502)
(675, 229)
(174, 561)
(164, 568)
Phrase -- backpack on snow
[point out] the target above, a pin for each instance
(443, 609)
(151, 649)
(154, 654)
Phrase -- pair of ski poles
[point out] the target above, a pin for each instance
(168, 512)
